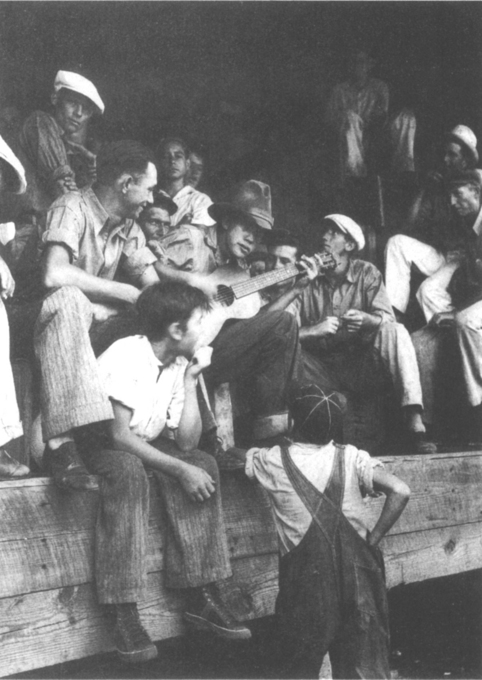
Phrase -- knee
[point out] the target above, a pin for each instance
(467, 320)
(286, 326)
(126, 472)
(67, 300)
(206, 462)
(426, 290)
(396, 243)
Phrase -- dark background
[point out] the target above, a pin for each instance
(247, 80)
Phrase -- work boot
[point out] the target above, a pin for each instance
(420, 443)
(131, 640)
(11, 468)
(207, 612)
(67, 468)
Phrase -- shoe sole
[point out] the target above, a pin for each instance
(202, 624)
(139, 656)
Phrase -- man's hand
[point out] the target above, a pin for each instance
(356, 320)
(310, 269)
(455, 256)
(197, 483)
(201, 360)
(442, 319)
(7, 283)
(327, 327)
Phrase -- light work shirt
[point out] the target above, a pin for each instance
(315, 462)
(79, 222)
(192, 205)
(134, 376)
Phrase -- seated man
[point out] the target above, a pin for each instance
(12, 179)
(455, 296)
(197, 167)
(174, 165)
(55, 148)
(347, 327)
(434, 238)
(151, 382)
(90, 235)
(262, 351)
(332, 594)
(184, 247)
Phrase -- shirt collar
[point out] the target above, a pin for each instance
(349, 276)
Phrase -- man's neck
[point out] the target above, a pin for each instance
(110, 202)
(336, 276)
(173, 187)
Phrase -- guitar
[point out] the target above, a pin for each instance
(237, 295)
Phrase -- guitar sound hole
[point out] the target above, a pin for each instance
(225, 296)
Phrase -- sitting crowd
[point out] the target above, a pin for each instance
(136, 298)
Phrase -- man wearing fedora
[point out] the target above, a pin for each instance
(261, 352)
(174, 165)
(348, 331)
(434, 238)
(55, 148)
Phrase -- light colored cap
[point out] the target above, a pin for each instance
(7, 154)
(464, 135)
(77, 83)
(350, 227)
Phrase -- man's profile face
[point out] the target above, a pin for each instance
(465, 200)
(196, 169)
(283, 255)
(139, 192)
(454, 159)
(173, 161)
(72, 111)
(336, 242)
(241, 239)
(155, 222)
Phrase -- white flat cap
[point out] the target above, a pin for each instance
(464, 135)
(7, 155)
(350, 227)
(77, 83)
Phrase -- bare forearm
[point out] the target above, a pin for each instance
(394, 505)
(190, 425)
(166, 273)
(280, 304)
(125, 440)
(95, 288)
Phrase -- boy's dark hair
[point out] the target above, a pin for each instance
(172, 140)
(282, 237)
(317, 415)
(168, 302)
(125, 156)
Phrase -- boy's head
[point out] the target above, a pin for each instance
(155, 220)
(173, 159)
(317, 416)
(340, 235)
(173, 310)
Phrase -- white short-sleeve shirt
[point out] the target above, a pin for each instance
(193, 205)
(134, 376)
(315, 462)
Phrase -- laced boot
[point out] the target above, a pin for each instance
(11, 468)
(67, 469)
(206, 611)
(131, 640)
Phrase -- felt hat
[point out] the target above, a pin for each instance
(77, 83)
(9, 157)
(461, 134)
(251, 203)
(162, 200)
(348, 226)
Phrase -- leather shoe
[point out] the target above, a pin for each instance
(68, 470)
(11, 468)
(207, 612)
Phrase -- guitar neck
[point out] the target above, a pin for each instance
(257, 283)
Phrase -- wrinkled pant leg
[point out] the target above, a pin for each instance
(264, 350)
(10, 425)
(195, 549)
(433, 295)
(468, 324)
(71, 391)
(122, 526)
(428, 345)
(393, 342)
(401, 252)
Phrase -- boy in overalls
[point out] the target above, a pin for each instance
(332, 595)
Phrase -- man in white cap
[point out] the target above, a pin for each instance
(55, 148)
(433, 237)
(12, 179)
(348, 330)
(174, 166)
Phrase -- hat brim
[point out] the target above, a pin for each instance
(220, 211)
(97, 109)
(458, 140)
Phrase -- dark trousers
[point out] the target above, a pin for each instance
(263, 354)
(195, 546)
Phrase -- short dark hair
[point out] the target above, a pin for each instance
(282, 237)
(125, 156)
(165, 303)
(469, 178)
(172, 140)
(317, 415)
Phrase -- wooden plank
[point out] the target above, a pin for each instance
(54, 626)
